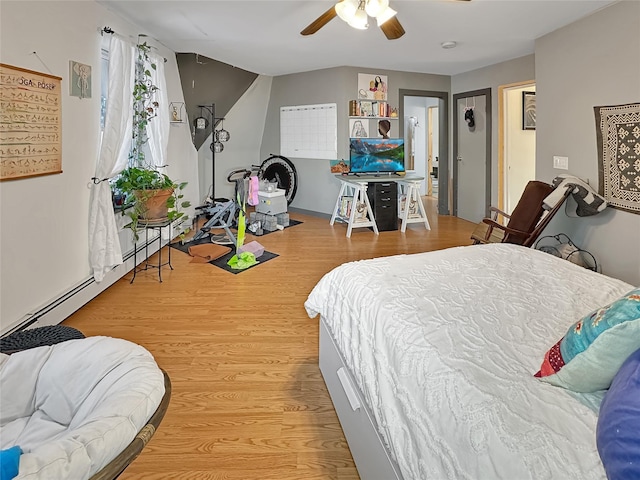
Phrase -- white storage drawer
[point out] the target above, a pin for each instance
(369, 454)
(271, 203)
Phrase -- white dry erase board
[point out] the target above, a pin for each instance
(309, 131)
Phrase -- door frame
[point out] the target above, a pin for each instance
(502, 119)
(443, 138)
(430, 118)
(488, 132)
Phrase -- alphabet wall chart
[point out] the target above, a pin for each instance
(30, 123)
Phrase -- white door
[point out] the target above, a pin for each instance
(471, 179)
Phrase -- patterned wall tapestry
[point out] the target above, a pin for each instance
(618, 134)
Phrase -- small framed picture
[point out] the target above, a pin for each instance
(79, 80)
(528, 110)
(366, 108)
(358, 128)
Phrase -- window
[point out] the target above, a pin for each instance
(104, 81)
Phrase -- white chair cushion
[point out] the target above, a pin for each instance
(72, 407)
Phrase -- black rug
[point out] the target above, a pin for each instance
(222, 261)
(292, 223)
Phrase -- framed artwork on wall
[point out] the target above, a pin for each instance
(79, 79)
(358, 128)
(31, 134)
(617, 134)
(372, 87)
(528, 110)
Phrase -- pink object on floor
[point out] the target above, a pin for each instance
(253, 247)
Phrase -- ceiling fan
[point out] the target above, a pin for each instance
(357, 12)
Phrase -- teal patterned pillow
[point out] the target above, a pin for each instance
(587, 358)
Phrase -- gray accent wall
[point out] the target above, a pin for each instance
(512, 71)
(592, 62)
(206, 81)
(317, 187)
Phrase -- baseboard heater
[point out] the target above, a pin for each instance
(65, 304)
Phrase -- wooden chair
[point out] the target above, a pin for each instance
(113, 469)
(51, 335)
(527, 221)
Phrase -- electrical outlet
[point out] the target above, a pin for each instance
(561, 163)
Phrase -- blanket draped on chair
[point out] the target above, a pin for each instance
(588, 202)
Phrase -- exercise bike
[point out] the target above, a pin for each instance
(223, 212)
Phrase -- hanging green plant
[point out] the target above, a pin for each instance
(141, 183)
(145, 108)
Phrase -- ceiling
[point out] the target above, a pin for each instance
(263, 36)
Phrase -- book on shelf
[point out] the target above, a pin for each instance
(413, 207)
(369, 108)
(345, 206)
(361, 212)
(354, 109)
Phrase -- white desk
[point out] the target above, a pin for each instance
(356, 188)
(409, 195)
(357, 212)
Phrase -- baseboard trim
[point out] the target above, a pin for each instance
(61, 307)
(309, 212)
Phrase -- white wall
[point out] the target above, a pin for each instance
(592, 62)
(520, 147)
(417, 107)
(44, 220)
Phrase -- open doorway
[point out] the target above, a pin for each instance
(517, 152)
(433, 150)
(424, 126)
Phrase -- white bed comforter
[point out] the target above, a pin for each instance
(72, 407)
(444, 346)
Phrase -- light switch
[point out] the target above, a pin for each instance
(561, 163)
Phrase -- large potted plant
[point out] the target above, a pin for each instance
(153, 196)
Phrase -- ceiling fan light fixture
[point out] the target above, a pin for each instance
(360, 20)
(346, 9)
(387, 14)
(375, 7)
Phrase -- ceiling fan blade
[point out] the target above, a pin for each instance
(320, 22)
(392, 28)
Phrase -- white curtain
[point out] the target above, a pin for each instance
(158, 128)
(104, 245)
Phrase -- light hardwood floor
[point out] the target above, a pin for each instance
(248, 398)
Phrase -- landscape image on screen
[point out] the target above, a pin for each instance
(374, 155)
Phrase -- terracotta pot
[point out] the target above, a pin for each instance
(154, 204)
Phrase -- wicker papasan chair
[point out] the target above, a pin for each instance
(80, 409)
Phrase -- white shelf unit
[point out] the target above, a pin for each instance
(409, 194)
(376, 118)
(357, 191)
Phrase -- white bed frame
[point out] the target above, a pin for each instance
(367, 447)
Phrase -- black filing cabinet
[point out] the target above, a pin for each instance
(383, 197)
